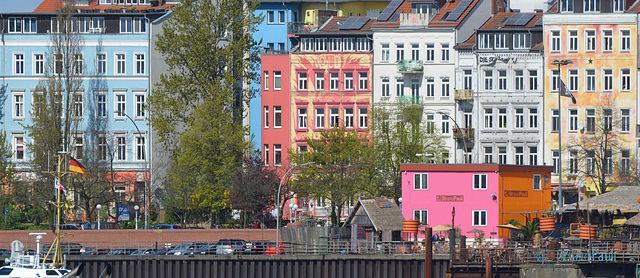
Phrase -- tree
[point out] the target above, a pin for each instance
(592, 154)
(198, 107)
(254, 189)
(399, 135)
(340, 161)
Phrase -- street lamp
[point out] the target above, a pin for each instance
(464, 140)
(560, 63)
(99, 207)
(278, 198)
(146, 167)
(136, 208)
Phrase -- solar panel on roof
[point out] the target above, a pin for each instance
(457, 12)
(346, 25)
(539, 22)
(353, 23)
(512, 20)
(453, 16)
(395, 16)
(524, 19)
(388, 11)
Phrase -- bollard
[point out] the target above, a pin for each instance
(428, 256)
(488, 267)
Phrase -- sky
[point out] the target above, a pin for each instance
(12, 6)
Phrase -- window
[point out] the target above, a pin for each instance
(281, 17)
(140, 99)
(486, 41)
(468, 79)
(625, 40)
(271, 18)
(573, 120)
(385, 87)
(488, 118)
(519, 80)
(468, 118)
(399, 51)
(479, 218)
(320, 81)
(501, 41)
(607, 119)
(120, 63)
(521, 41)
(590, 40)
(18, 62)
(78, 63)
(502, 155)
(573, 162)
(625, 120)
(567, 5)
(348, 80)
(590, 80)
(348, 44)
(608, 40)
(555, 41)
(277, 159)
(431, 50)
(445, 86)
(608, 163)
(502, 117)
(101, 63)
(140, 63)
(555, 82)
(421, 215)
(488, 80)
(608, 80)
(307, 45)
(15, 25)
(77, 103)
(103, 150)
(302, 117)
(533, 117)
(334, 117)
(38, 64)
(385, 52)
(519, 118)
(533, 155)
(573, 79)
(266, 117)
(444, 49)
(126, 24)
(502, 80)
(479, 181)
(533, 80)
(537, 182)
(140, 147)
(348, 117)
(139, 25)
(363, 81)
(333, 81)
(302, 81)
(488, 155)
(266, 80)
(625, 162)
(101, 107)
(415, 51)
(555, 120)
(555, 156)
(121, 104)
(445, 157)
(277, 80)
(573, 40)
(18, 147)
(321, 44)
(519, 155)
(121, 147)
(625, 80)
(399, 87)
(84, 24)
(431, 86)
(431, 125)
(591, 6)
(266, 155)
(277, 117)
(363, 44)
(319, 117)
(421, 181)
(78, 145)
(590, 118)
(363, 118)
(444, 123)
(18, 105)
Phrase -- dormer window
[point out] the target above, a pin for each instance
(521, 41)
(486, 41)
(618, 5)
(566, 6)
(591, 6)
(501, 41)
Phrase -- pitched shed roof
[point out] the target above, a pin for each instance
(443, 18)
(382, 213)
(504, 20)
(50, 6)
(622, 197)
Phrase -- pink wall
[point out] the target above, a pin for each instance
(452, 189)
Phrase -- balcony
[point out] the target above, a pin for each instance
(463, 95)
(410, 66)
(463, 133)
(416, 19)
(405, 100)
(299, 27)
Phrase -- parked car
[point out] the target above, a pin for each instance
(273, 250)
(187, 248)
(94, 251)
(68, 248)
(70, 227)
(122, 251)
(165, 227)
(256, 247)
(230, 246)
(105, 226)
(205, 250)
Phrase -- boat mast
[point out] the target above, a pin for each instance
(57, 243)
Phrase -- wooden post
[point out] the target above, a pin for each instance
(428, 256)
(488, 266)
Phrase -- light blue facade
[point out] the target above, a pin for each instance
(273, 35)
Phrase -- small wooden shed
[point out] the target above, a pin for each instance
(375, 219)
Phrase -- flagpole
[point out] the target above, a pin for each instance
(559, 87)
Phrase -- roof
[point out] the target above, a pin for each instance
(383, 213)
(50, 6)
(498, 21)
(622, 197)
(468, 44)
(450, 6)
(473, 168)
(335, 22)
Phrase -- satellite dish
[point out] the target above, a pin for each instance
(581, 127)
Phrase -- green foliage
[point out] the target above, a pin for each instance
(254, 188)
(529, 230)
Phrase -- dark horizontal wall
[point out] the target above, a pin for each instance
(259, 266)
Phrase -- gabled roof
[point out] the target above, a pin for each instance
(441, 19)
(51, 6)
(382, 212)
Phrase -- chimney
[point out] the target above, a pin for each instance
(498, 6)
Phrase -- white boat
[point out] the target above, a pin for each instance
(27, 265)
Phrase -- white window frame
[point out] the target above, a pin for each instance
(140, 63)
(126, 25)
(139, 99)
(140, 139)
(265, 80)
(385, 87)
(422, 216)
(334, 81)
(431, 52)
(363, 81)
(120, 144)
(502, 80)
(334, 117)
(590, 40)
(573, 119)
(101, 64)
(625, 40)
(446, 87)
(277, 117)
(101, 104)
(15, 146)
(519, 80)
(348, 81)
(501, 41)
(266, 155)
(38, 63)
(555, 41)
(421, 181)
(625, 80)
(479, 218)
(385, 52)
(574, 77)
(348, 117)
(302, 118)
(17, 104)
(266, 116)
(591, 6)
(519, 117)
(18, 63)
(277, 155)
(139, 25)
(521, 41)
(320, 118)
(590, 80)
(120, 104)
(77, 102)
(120, 63)
(533, 117)
(277, 80)
(572, 40)
(303, 82)
(607, 80)
(607, 40)
(445, 52)
(363, 117)
(479, 181)
(625, 120)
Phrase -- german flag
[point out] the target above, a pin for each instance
(76, 166)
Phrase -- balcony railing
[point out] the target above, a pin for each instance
(404, 100)
(463, 94)
(410, 66)
(299, 27)
(463, 133)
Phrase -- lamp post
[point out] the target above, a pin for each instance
(136, 208)
(464, 140)
(99, 207)
(146, 167)
(560, 63)
(278, 199)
